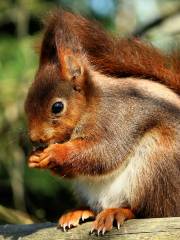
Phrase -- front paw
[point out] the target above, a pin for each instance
(45, 159)
(105, 219)
(73, 218)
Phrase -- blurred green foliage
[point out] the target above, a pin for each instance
(17, 68)
(36, 192)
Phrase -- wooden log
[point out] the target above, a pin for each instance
(137, 229)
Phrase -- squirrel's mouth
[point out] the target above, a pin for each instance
(40, 146)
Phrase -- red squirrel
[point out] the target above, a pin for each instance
(107, 113)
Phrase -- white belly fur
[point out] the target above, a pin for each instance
(121, 188)
(104, 192)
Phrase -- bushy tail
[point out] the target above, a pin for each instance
(109, 55)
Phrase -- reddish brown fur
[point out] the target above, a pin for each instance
(111, 55)
(110, 125)
(161, 186)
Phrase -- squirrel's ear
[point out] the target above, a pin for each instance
(72, 68)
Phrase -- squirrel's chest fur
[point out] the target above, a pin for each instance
(112, 191)
(122, 187)
(103, 193)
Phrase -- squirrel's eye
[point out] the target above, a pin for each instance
(57, 107)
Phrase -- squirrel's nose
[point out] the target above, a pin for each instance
(36, 138)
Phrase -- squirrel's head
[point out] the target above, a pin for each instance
(56, 99)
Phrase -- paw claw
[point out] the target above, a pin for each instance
(92, 230)
(64, 228)
(103, 231)
(98, 232)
